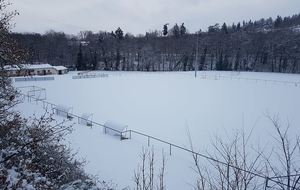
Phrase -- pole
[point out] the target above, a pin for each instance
(196, 60)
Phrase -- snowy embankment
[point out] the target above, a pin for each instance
(165, 105)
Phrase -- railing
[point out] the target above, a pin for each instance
(123, 136)
(33, 79)
(90, 76)
(33, 90)
(218, 76)
(71, 115)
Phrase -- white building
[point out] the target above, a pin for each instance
(28, 70)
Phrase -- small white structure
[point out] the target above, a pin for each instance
(114, 129)
(86, 119)
(36, 69)
(60, 70)
(64, 111)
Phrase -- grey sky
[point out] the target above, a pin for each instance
(140, 16)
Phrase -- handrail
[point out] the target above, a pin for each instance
(73, 115)
(296, 83)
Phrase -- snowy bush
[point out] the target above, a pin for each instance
(32, 156)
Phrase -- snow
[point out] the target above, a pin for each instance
(114, 128)
(86, 119)
(165, 105)
(63, 110)
(58, 68)
(12, 177)
(27, 66)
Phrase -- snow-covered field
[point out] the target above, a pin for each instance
(165, 105)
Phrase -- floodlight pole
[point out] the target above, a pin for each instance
(196, 59)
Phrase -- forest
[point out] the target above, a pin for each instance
(266, 45)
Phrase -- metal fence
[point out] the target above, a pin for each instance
(25, 79)
(71, 116)
(35, 92)
(90, 76)
(235, 77)
(129, 133)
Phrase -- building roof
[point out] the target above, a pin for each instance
(40, 66)
(59, 68)
(29, 66)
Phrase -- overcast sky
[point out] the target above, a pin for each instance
(140, 16)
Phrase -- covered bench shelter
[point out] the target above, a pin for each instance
(115, 129)
(64, 111)
(86, 119)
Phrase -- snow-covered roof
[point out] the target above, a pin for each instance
(16, 67)
(115, 126)
(59, 68)
(29, 66)
(64, 108)
(11, 67)
(40, 66)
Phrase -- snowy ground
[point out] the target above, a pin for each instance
(165, 105)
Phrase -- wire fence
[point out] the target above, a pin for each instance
(127, 134)
(257, 80)
(35, 92)
(102, 75)
(25, 79)
(69, 115)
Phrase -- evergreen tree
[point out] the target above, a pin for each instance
(233, 27)
(182, 29)
(176, 30)
(278, 22)
(238, 26)
(119, 34)
(165, 29)
(224, 28)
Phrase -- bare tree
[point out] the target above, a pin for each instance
(145, 177)
(283, 162)
(232, 164)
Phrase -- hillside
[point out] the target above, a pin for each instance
(264, 45)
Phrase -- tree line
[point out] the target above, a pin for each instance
(267, 45)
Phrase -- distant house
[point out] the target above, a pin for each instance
(38, 69)
(61, 70)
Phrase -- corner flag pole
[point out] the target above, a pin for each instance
(196, 60)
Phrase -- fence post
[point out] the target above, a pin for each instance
(170, 150)
(148, 141)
